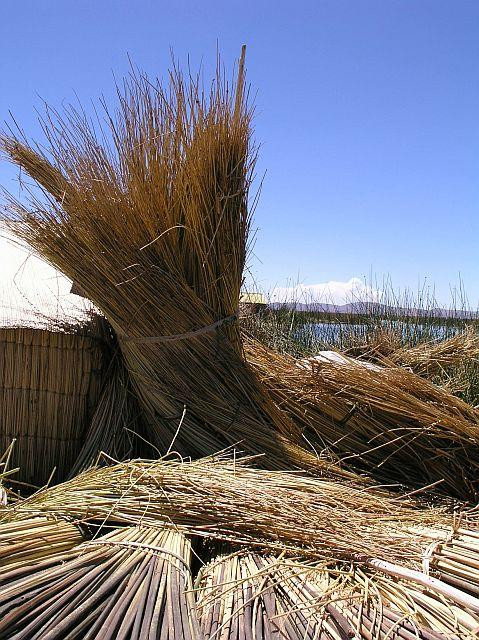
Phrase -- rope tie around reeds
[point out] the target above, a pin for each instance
(182, 336)
(159, 551)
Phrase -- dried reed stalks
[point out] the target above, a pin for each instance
(240, 595)
(154, 229)
(28, 542)
(388, 421)
(129, 584)
(226, 499)
(432, 358)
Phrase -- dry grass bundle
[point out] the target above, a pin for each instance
(241, 595)
(129, 584)
(49, 384)
(433, 358)
(30, 541)
(390, 422)
(226, 499)
(154, 228)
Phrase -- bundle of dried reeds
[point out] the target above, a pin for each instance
(248, 595)
(116, 427)
(129, 584)
(49, 384)
(240, 595)
(28, 542)
(226, 499)
(154, 231)
(432, 358)
(388, 421)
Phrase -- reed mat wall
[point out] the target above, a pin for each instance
(50, 383)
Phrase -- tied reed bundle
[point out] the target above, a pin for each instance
(387, 421)
(241, 595)
(30, 541)
(154, 230)
(130, 584)
(432, 358)
(244, 596)
(226, 499)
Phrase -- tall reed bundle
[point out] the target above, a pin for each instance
(388, 421)
(241, 595)
(30, 541)
(50, 382)
(132, 583)
(226, 499)
(153, 228)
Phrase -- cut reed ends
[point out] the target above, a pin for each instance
(245, 595)
(31, 541)
(130, 584)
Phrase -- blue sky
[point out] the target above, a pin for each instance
(367, 115)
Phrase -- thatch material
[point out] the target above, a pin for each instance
(29, 542)
(131, 584)
(245, 595)
(50, 382)
(433, 358)
(226, 499)
(154, 230)
(387, 421)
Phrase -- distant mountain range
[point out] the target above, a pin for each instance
(376, 308)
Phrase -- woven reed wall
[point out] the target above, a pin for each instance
(49, 386)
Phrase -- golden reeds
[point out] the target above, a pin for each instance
(154, 230)
(387, 421)
(243, 594)
(50, 382)
(226, 499)
(29, 542)
(129, 584)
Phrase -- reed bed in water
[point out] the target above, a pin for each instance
(129, 584)
(154, 230)
(245, 595)
(227, 499)
(387, 421)
(30, 541)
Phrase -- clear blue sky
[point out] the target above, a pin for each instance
(367, 112)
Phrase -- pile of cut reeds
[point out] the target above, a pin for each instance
(245, 595)
(432, 358)
(220, 498)
(129, 584)
(50, 382)
(387, 421)
(154, 231)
